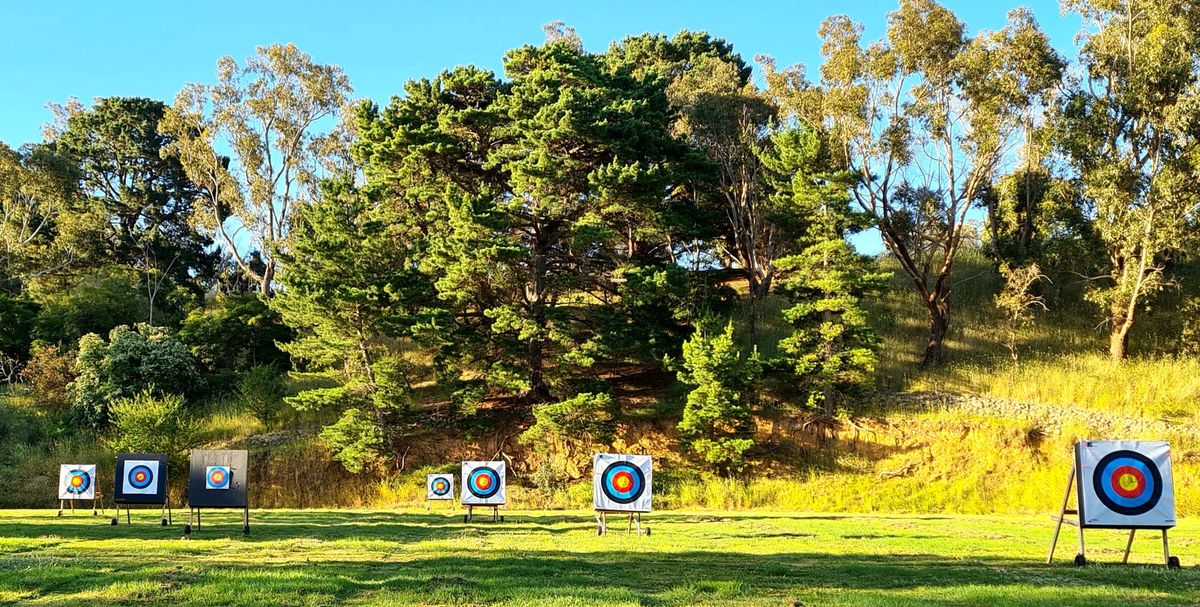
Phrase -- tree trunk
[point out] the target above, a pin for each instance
(268, 277)
(538, 391)
(1118, 338)
(939, 324)
(758, 289)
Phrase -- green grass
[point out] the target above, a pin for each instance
(375, 558)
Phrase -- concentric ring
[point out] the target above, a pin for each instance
(140, 476)
(622, 482)
(1127, 483)
(439, 486)
(78, 482)
(483, 482)
(218, 477)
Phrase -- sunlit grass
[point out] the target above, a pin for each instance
(376, 558)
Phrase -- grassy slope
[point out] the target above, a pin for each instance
(554, 558)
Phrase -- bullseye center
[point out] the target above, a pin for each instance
(623, 482)
(483, 482)
(1128, 482)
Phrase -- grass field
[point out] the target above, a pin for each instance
(555, 559)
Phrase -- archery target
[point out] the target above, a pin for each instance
(622, 482)
(141, 477)
(439, 486)
(483, 483)
(77, 482)
(217, 477)
(1125, 484)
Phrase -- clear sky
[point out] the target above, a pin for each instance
(56, 50)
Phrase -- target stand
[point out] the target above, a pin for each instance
(1107, 476)
(470, 515)
(194, 517)
(97, 505)
(635, 520)
(166, 514)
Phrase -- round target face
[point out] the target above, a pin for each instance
(78, 482)
(440, 486)
(622, 482)
(1127, 483)
(218, 477)
(140, 477)
(483, 482)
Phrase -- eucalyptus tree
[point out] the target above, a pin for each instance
(38, 189)
(274, 114)
(1131, 129)
(924, 119)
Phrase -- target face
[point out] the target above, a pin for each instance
(622, 482)
(1126, 484)
(483, 483)
(217, 477)
(141, 477)
(439, 487)
(76, 482)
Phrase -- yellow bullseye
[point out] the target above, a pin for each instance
(1128, 482)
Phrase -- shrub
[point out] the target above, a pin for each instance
(94, 304)
(129, 363)
(355, 440)
(717, 424)
(147, 423)
(236, 332)
(49, 373)
(16, 326)
(261, 391)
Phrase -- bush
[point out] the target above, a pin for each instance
(236, 332)
(49, 373)
(16, 326)
(355, 440)
(261, 391)
(94, 304)
(131, 362)
(147, 423)
(717, 424)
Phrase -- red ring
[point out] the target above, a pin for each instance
(1114, 482)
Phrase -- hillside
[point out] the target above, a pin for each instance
(970, 437)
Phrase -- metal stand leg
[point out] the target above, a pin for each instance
(246, 521)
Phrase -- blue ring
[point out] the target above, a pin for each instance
(87, 482)
(622, 497)
(483, 470)
(149, 476)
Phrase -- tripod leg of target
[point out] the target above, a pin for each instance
(1128, 546)
(1062, 512)
(1166, 550)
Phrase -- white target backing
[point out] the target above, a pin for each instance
(622, 483)
(1125, 484)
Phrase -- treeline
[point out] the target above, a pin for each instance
(521, 236)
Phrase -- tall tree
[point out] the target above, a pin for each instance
(37, 188)
(146, 198)
(924, 119)
(831, 351)
(273, 113)
(515, 181)
(1131, 129)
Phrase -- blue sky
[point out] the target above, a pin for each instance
(57, 50)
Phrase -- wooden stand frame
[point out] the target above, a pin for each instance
(1169, 561)
(166, 514)
(470, 515)
(97, 505)
(194, 515)
(635, 519)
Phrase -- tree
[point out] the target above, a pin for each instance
(518, 183)
(831, 350)
(147, 359)
(923, 120)
(37, 188)
(236, 333)
(1017, 301)
(270, 113)
(145, 197)
(352, 294)
(717, 423)
(1131, 129)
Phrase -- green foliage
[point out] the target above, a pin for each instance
(131, 362)
(94, 303)
(16, 326)
(261, 391)
(355, 440)
(235, 333)
(717, 423)
(49, 374)
(152, 423)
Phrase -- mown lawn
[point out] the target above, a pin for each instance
(554, 558)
